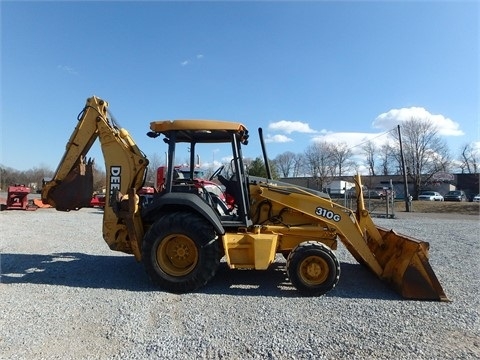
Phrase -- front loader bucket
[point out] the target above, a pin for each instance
(405, 266)
(75, 191)
(397, 259)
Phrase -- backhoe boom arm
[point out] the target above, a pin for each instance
(125, 166)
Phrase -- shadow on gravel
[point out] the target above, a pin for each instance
(124, 273)
(75, 270)
(356, 281)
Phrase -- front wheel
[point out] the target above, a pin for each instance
(313, 268)
(181, 252)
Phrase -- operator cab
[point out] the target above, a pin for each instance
(194, 132)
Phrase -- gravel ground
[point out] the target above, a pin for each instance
(65, 295)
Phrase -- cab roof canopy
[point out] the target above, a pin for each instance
(200, 131)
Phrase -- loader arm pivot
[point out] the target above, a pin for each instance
(71, 187)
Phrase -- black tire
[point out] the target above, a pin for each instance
(313, 268)
(181, 252)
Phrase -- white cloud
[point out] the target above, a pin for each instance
(394, 117)
(277, 139)
(67, 69)
(213, 165)
(347, 137)
(355, 141)
(189, 61)
(291, 126)
(226, 159)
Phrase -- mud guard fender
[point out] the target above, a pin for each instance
(181, 201)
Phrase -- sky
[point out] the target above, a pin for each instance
(303, 71)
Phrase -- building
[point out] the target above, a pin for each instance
(467, 182)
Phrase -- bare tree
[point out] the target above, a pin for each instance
(99, 179)
(154, 162)
(297, 164)
(369, 149)
(319, 161)
(341, 158)
(37, 174)
(424, 151)
(285, 163)
(31, 177)
(389, 162)
(470, 159)
(9, 176)
(247, 163)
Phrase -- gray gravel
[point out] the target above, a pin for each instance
(64, 294)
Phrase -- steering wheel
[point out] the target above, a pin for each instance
(216, 173)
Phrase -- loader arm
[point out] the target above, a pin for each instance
(71, 187)
(397, 259)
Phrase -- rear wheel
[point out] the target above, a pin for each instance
(313, 268)
(180, 252)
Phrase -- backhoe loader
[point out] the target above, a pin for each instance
(183, 232)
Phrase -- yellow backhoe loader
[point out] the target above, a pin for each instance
(183, 232)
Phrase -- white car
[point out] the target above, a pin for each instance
(476, 198)
(430, 196)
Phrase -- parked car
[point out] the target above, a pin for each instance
(476, 198)
(430, 196)
(455, 195)
(373, 194)
(368, 194)
(352, 192)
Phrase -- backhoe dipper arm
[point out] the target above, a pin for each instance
(125, 166)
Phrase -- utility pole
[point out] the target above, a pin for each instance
(405, 183)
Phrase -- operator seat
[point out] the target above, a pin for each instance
(232, 187)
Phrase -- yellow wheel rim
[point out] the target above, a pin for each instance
(314, 270)
(177, 255)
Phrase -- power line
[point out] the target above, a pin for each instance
(366, 141)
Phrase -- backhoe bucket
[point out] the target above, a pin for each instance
(405, 265)
(75, 191)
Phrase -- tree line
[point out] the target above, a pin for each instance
(425, 154)
(34, 177)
